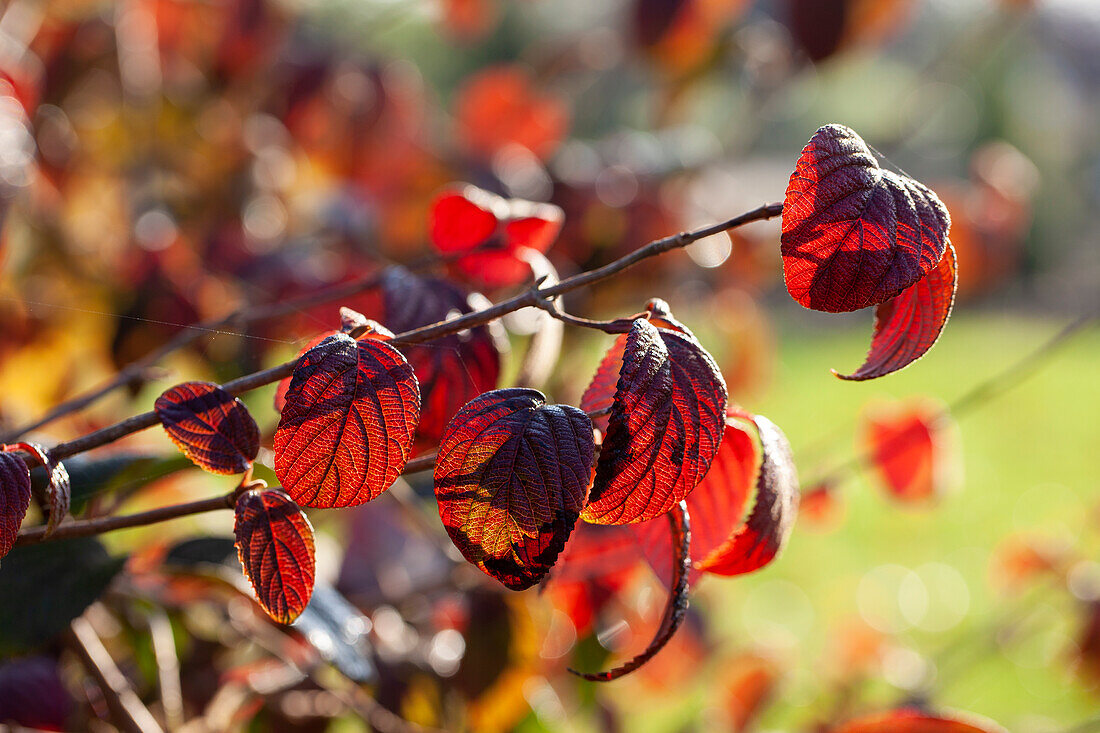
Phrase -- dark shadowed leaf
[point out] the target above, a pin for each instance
(54, 582)
(468, 218)
(210, 426)
(348, 423)
(275, 547)
(284, 383)
(32, 694)
(452, 370)
(854, 234)
(677, 604)
(59, 489)
(15, 498)
(768, 526)
(909, 720)
(511, 479)
(665, 427)
(908, 325)
(350, 320)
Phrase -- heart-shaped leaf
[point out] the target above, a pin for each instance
(911, 720)
(665, 427)
(854, 234)
(210, 426)
(60, 488)
(467, 218)
(908, 325)
(275, 547)
(452, 370)
(511, 479)
(909, 445)
(348, 423)
(676, 606)
(15, 499)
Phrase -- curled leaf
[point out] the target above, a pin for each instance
(911, 720)
(665, 427)
(15, 499)
(347, 427)
(493, 230)
(275, 547)
(210, 426)
(511, 479)
(855, 234)
(60, 487)
(676, 606)
(451, 370)
(908, 325)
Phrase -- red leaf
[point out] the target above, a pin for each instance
(60, 495)
(469, 218)
(601, 390)
(908, 720)
(275, 547)
(908, 325)
(908, 445)
(677, 604)
(511, 478)
(452, 370)
(15, 499)
(284, 383)
(665, 427)
(750, 683)
(210, 426)
(347, 427)
(854, 234)
(598, 560)
(350, 320)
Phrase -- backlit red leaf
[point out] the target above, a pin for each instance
(598, 560)
(675, 607)
(908, 446)
(511, 479)
(275, 547)
(855, 234)
(284, 384)
(665, 427)
(15, 498)
(468, 219)
(908, 720)
(210, 426)
(347, 428)
(452, 370)
(350, 320)
(908, 325)
(60, 488)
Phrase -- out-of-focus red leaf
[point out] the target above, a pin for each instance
(665, 427)
(676, 605)
(749, 682)
(821, 507)
(908, 325)
(470, 20)
(210, 426)
(275, 547)
(910, 720)
(347, 428)
(908, 448)
(60, 487)
(854, 234)
(500, 106)
(511, 479)
(33, 695)
(600, 393)
(467, 218)
(597, 562)
(452, 370)
(15, 499)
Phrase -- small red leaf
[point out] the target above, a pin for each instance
(909, 720)
(15, 499)
(468, 219)
(347, 428)
(855, 234)
(908, 325)
(210, 426)
(452, 370)
(909, 447)
(275, 547)
(675, 608)
(60, 487)
(511, 478)
(665, 427)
